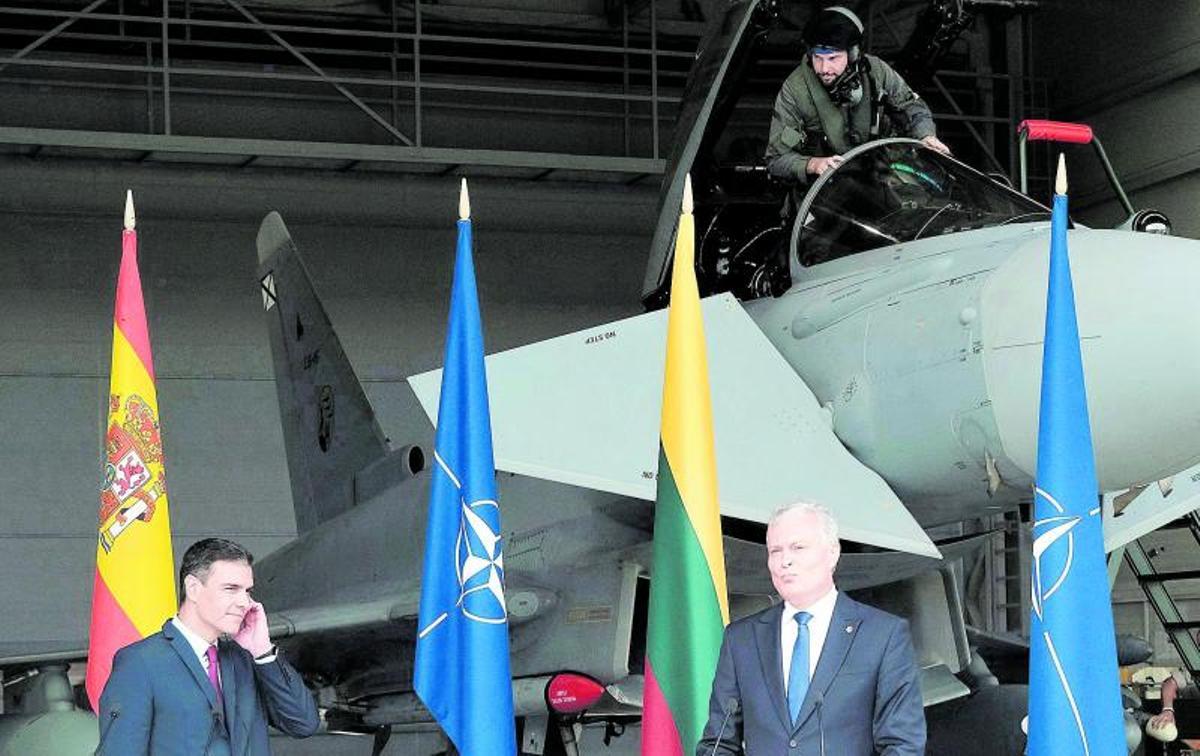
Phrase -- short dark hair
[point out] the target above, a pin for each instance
(199, 558)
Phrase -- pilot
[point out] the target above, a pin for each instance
(837, 98)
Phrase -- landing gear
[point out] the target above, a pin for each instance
(986, 723)
(548, 735)
(382, 735)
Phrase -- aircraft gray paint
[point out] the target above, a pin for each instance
(344, 595)
(947, 335)
(914, 316)
(912, 307)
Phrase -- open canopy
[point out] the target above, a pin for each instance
(895, 191)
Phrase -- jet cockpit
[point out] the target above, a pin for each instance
(895, 191)
(887, 192)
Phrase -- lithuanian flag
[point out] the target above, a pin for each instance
(689, 607)
(133, 592)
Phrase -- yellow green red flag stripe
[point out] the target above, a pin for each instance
(688, 601)
(133, 590)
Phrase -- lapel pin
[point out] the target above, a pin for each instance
(849, 628)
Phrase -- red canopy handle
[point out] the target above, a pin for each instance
(1055, 131)
(1072, 133)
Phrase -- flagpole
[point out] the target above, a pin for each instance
(133, 589)
(1074, 689)
(461, 669)
(688, 597)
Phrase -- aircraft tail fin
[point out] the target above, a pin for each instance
(329, 428)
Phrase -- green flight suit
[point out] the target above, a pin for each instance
(806, 123)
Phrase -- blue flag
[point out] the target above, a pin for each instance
(462, 669)
(1074, 691)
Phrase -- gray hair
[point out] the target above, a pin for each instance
(829, 526)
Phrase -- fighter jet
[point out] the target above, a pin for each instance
(880, 352)
(886, 364)
(895, 379)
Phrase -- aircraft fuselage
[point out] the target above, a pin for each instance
(927, 354)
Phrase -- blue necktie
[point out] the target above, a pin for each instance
(798, 674)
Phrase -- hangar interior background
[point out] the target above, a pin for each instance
(354, 120)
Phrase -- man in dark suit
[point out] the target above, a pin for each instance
(209, 682)
(819, 673)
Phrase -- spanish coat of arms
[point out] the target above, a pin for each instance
(133, 473)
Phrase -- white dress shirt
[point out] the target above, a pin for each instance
(198, 644)
(818, 627)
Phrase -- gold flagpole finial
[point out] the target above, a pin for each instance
(464, 202)
(130, 220)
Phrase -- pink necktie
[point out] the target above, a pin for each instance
(212, 675)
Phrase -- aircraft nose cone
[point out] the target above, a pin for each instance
(1138, 306)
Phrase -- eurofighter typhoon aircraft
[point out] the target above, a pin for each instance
(881, 355)
(884, 359)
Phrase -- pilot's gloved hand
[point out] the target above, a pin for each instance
(934, 143)
(818, 165)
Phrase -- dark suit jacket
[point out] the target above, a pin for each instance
(159, 701)
(864, 697)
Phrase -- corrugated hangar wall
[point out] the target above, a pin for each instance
(1131, 71)
(380, 248)
(558, 248)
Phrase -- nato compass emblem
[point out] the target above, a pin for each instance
(1048, 532)
(480, 563)
(1053, 556)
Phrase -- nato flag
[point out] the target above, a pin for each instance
(462, 670)
(1074, 693)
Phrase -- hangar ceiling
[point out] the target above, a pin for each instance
(347, 86)
(527, 89)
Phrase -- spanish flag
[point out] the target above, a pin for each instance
(689, 607)
(133, 592)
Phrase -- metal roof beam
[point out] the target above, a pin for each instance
(335, 152)
(395, 132)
